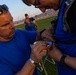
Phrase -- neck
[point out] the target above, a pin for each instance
(5, 39)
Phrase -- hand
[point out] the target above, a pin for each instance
(54, 52)
(47, 35)
(37, 51)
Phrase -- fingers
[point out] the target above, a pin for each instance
(38, 50)
(42, 46)
(47, 48)
(49, 37)
(39, 45)
(44, 50)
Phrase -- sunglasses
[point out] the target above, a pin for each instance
(3, 7)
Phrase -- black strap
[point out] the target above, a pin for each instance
(40, 38)
(62, 61)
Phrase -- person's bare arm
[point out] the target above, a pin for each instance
(36, 55)
(71, 61)
(35, 24)
(27, 69)
(55, 53)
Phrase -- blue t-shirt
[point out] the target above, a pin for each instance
(68, 49)
(15, 53)
(31, 26)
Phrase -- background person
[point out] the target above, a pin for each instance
(33, 23)
(16, 55)
(27, 22)
(65, 32)
(30, 23)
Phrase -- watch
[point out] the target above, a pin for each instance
(40, 38)
(62, 61)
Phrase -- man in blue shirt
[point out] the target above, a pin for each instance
(65, 33)
(30, 23)
(16, 55)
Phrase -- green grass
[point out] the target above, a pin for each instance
(50, 68)
(21, 26)
(44, 23)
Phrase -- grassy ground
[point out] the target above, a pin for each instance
(51, 69)
(43, 23)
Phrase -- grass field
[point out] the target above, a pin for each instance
(51, 69)
(43, 23)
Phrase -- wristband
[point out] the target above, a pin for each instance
(32, 61)
(40, 38)
(62, 61)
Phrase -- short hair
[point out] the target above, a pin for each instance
(26, 14)
(26, 2)
(3, 8)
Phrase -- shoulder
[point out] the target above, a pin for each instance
(24, 32)
(32, 19)
(19, 32)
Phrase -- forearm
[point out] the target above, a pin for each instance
(27, 69)
(36, 26)
(70, 61)
(31, 72)
(62, 58)
(67, 61)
